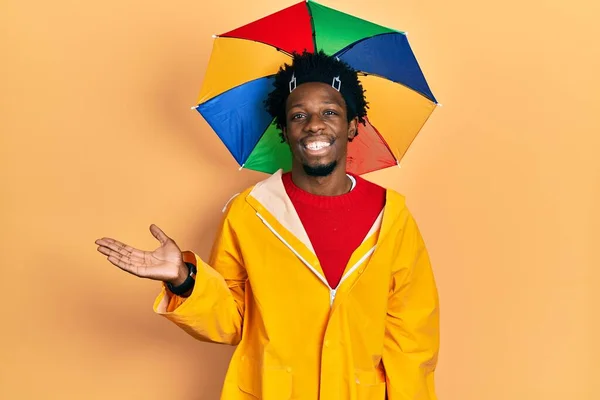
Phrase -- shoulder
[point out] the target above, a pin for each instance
(392, 196)
(236, 202)
(397, 199)
(395, 202)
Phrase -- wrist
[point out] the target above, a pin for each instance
(182, 273)
(185, 280)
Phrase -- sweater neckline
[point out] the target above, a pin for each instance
(354, 196)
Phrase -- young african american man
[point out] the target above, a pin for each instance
(319, 277)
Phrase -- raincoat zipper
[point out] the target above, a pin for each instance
(332, 292)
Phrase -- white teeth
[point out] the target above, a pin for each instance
(317, 145)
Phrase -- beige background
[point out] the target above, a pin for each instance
(97, 138)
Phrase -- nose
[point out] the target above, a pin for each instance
(315, 123)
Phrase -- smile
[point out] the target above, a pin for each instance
(316, 146)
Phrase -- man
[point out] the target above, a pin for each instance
(320, 278)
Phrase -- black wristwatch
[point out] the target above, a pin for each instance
(187, 284)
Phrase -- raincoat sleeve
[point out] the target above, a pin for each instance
(411, 341)
(214, 310)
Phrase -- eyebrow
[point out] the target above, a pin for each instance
(323, 102)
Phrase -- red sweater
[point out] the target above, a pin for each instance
(337, 225)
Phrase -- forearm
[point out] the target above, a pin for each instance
(213, 310)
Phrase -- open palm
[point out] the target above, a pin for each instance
(164, 263)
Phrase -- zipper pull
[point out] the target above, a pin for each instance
(332, 296)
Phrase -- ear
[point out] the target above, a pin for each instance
(352, 128)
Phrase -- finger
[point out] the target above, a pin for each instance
(113, 248)
(132, 250)
(120, 247)
(114, 254)
(158, 234)
(132, 268)
(130, 258)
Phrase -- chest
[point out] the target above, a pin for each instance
(335, 234)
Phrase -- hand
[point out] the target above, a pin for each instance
(163, 264)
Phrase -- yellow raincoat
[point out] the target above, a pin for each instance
(263, 289)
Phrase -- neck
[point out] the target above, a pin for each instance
(334, 184)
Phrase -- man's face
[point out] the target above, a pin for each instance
(317, 128)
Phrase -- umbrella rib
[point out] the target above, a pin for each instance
(363, 73)
(345, 49)
(385, 143)
(257, 142)
(312, 28)
(287, 53)
(233, 88)
(413, 139)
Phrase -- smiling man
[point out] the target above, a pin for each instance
(321, 278)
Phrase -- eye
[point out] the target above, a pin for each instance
(330, 112)
(297, 116)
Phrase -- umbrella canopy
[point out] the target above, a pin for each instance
(241, 71)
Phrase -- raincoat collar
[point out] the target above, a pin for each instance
(273, 206)
(269, 198)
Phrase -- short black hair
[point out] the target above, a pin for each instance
(316, 67)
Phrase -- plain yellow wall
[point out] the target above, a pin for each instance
(97, 138)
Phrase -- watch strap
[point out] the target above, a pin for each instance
(186, 285)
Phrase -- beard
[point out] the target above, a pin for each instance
(320, 170)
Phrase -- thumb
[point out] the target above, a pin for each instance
(158, 234)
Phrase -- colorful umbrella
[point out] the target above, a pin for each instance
(243, 62)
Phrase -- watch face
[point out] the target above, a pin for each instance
(193, 270)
